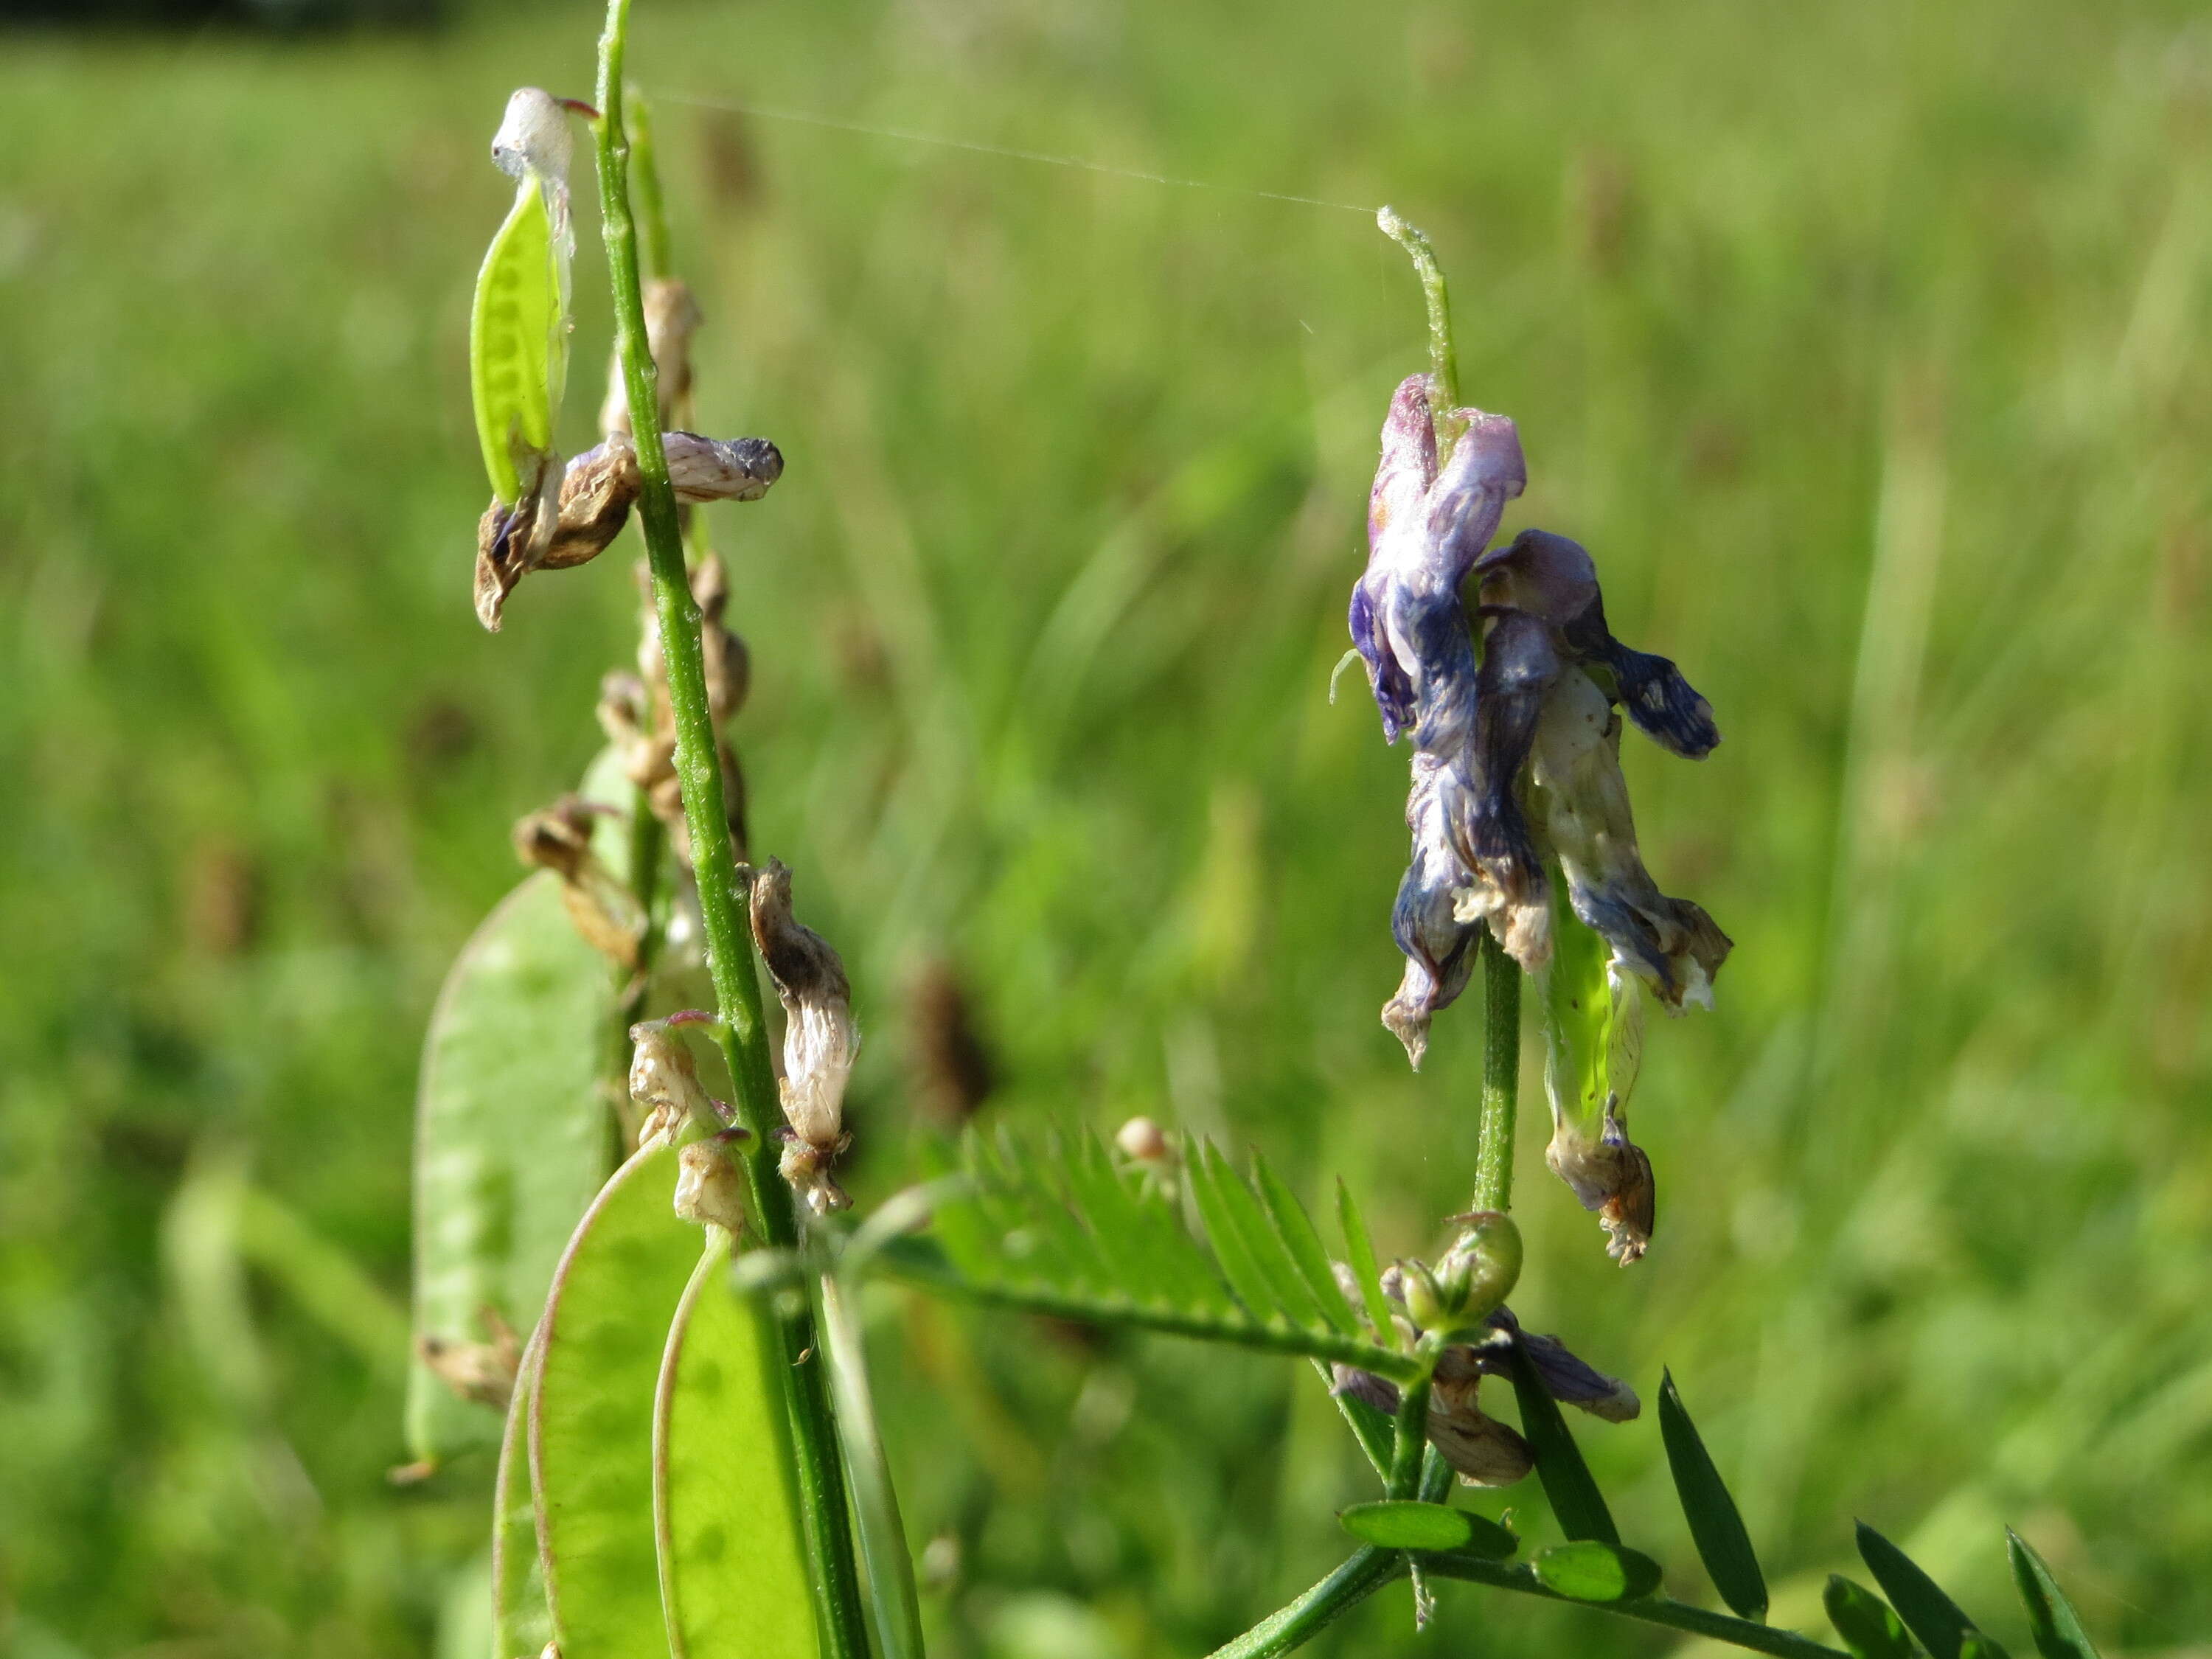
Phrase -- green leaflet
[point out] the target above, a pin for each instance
(733, 1580)
(1593, 1026)
(1592, 1571)
(1933, 1617)
(1865, 1622)
(2050, 1617)
(1575, 1501)
(614, 1297)
(1715, 1525)
(511, 1140)
(518, 340)
(1403, 1524)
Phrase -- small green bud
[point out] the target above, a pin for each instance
(1484, 1266)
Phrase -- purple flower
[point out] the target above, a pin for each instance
(1516, 763)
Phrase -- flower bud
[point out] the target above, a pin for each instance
(1142, 1141)
(1481, 1269)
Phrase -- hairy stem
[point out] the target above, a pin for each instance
(1297, 1624)
(744, 1034)
(1652, 1610)
(1501, 1076)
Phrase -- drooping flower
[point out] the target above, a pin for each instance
(1515, 747)
(819, 1038)
(1513, 696)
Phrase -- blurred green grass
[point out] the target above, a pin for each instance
(1865, 346)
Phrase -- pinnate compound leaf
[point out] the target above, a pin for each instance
(733, 1577)
(1568, 1483)
(2057, 1627)
(1592, 1571)
(1067, 1233)
(1716, 1526)
(1865, 1622)
(1934, 1618)
(614, 1296)
(511, 1141)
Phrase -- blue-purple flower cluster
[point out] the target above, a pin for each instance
(1511, 705)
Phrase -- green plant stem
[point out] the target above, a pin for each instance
(1293, 1626)
(744, 1034)
(1652, 1610)
(1501, 1076)
(1412, 1439)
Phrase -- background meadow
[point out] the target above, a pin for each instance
(1864, 344)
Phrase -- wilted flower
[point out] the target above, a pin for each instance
(672, 318)
(482, 1371)
(607, 913)
(1516, 749)
(709, 1190)
(573, 526)
(635, 713)
(1485, 1451)
(819, 1038)
(664, 1081)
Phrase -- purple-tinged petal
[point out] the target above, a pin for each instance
(1397, 548)
(1489, 831)
(1567, 1378)
(1440, 956)
(1552, 577)
(1486, 470)
(1582, 802)
(1667, 707)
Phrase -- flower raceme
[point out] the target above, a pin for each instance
(1513, 697)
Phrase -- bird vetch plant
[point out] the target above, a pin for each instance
(688, 1459)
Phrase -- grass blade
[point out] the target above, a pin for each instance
(1568, 1483)
(1865, 1622)
(1934, 1618)
(2057, 1627)
(1716, 1526)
